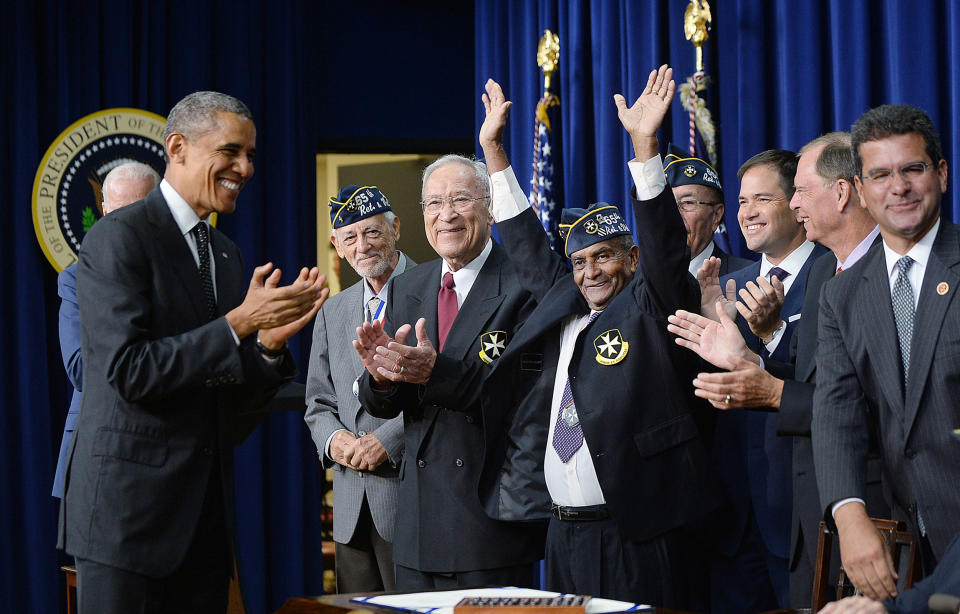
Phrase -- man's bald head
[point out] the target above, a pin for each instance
(127, 183)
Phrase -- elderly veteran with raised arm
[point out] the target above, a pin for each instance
(589, 415)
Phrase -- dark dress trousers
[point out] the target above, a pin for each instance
(161, 388)
(637, 414)
(860, 386)
(793, 420)
(441, 527)
(751, 566)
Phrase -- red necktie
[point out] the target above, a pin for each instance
(446, 308)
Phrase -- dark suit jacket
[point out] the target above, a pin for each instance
(160, 388)
(441, 526)
(860, 382)
(754, 463)
(728, 262)
(796, 412)
(944, 579)
(69, 328)
(637, 414)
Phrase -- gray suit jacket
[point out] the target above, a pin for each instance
(859, 385)
(332, 406)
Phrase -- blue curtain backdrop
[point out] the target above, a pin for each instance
(782, 74)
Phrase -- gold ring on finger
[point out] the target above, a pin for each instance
(728, 399)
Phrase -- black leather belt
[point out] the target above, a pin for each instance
(589, 512)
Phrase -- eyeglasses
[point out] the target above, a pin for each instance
(908, 172)
(461, 203)
(689, 205)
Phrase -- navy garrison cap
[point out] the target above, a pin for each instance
(683, 169)
(354, 203)
(581, 228)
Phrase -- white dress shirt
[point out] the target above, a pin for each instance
(464, 278)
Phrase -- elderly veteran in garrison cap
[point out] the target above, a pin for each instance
(363, 450)
(696, 187)
(590, 421)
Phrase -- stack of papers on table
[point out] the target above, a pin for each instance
(442, 602)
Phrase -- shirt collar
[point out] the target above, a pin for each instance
(368, 292)
(467, 274)
(861, 249)
(183, 214)
(919, 252)
(792, 263)
(700, 258)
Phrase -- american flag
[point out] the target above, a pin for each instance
(546, 185)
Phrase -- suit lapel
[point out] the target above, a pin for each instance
(481, 303)
(821, 272)
(177, 252)
(931, 310)
(349, 317)
(227, 272)
(878, 317)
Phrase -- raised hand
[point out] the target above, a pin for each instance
(497, 109)
(708, 276)
(760, 306)
(268, 305)
(718, 342)
(275, 337)
(643, 119)
(747, 385)
(398, 362)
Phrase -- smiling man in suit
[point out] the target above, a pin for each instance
(364, 451)
(889, 333)
(174, 350)
(466, 306)
(589, 418)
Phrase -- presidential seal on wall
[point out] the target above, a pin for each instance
(67, 193)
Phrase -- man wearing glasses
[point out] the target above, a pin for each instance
(459, 312)
(888, 359)
(696, 187)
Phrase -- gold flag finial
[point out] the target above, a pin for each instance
(696, 26)
(548, 54)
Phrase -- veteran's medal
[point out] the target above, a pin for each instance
(570, 417)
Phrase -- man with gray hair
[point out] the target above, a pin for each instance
(364, 451)
(127, 183)
(466, 306)
(175, 352)
(123, 185)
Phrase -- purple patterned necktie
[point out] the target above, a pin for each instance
(780, 273)
(568, 439)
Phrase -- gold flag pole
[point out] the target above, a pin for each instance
(696, 29)
(548, 54)
(696, 26)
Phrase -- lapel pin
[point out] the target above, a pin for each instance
(942, 288)
(224, 254)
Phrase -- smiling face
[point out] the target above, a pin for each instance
(768, 225)
(209, 170)
(816, 201)
(905, 210)
(370, 245)
(603, 269)
(457, 236)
